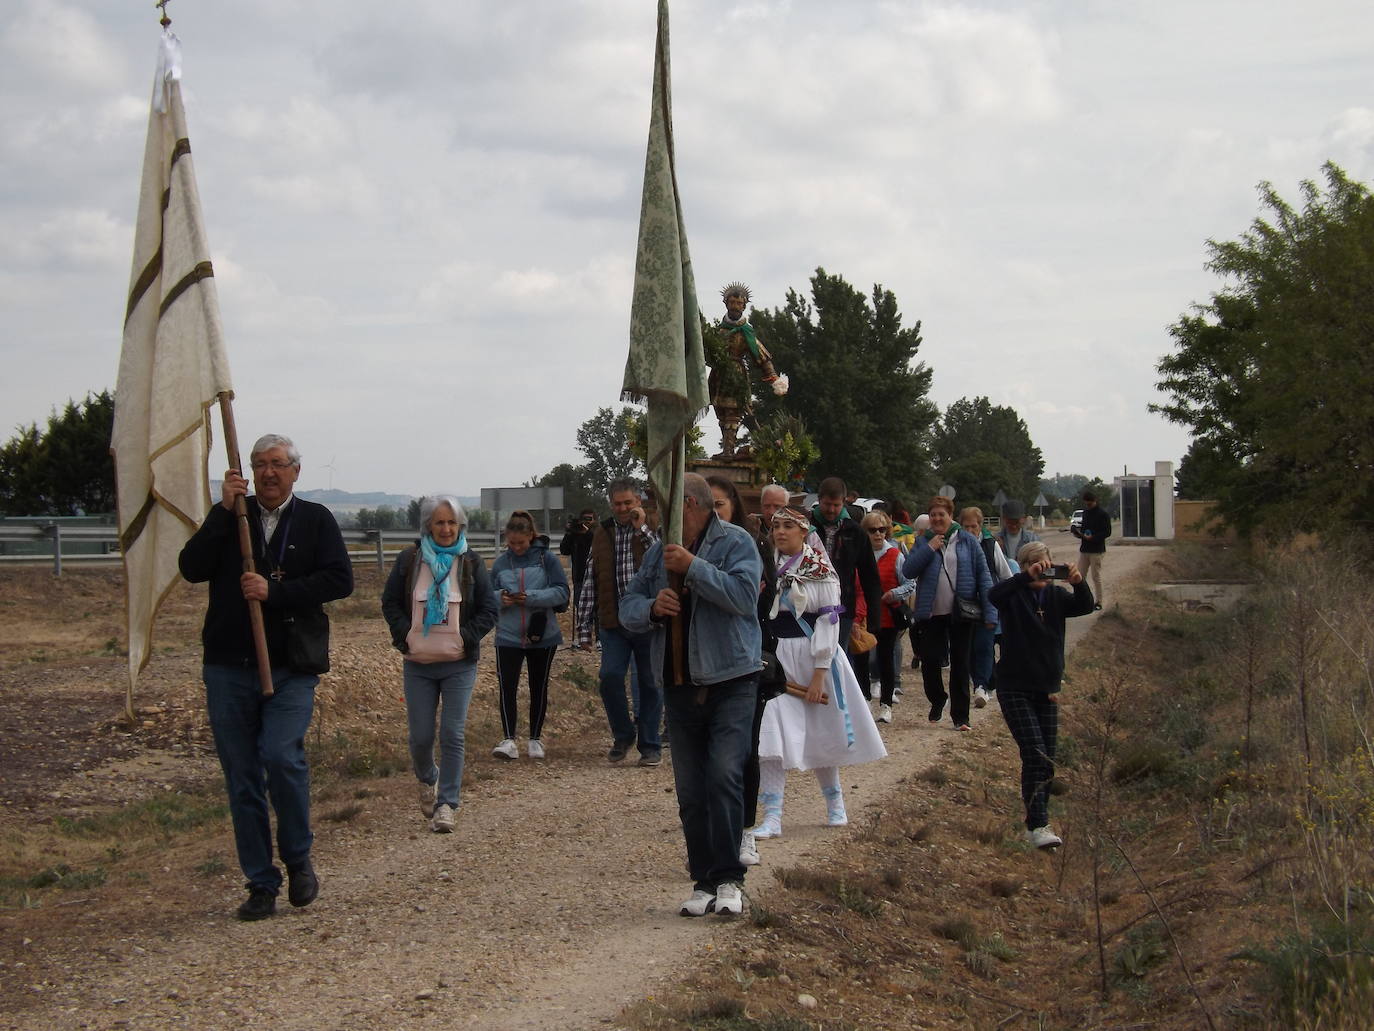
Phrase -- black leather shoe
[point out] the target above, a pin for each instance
(302, 885)
(259, 905)
(618, 751)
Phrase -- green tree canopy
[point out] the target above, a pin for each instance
(607, 439)
(855, 381)
(64, 470)
(1274, 375)
(981, 448)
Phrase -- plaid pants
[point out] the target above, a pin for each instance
(1033, 719)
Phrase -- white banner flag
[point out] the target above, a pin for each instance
(171, 368)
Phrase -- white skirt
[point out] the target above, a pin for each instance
(809, 737)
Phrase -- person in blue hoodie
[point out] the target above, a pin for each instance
(533, 589)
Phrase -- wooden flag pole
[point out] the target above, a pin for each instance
(231, 444)
(676, 580)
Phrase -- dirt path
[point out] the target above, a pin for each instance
(552, 906)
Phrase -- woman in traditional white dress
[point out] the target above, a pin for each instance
(831, 726)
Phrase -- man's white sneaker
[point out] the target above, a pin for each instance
(1043, 837)
(428, 794)
(729, 901)
(748, 850)
(980, 697)
(443, 819)
(507, 749)
(534, 749)
(884, 714)
(698, 904)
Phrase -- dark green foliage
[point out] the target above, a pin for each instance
(1273, 375)
(981, 448)
(854, 378)
(64, 470)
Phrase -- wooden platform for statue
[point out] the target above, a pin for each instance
(747, 477)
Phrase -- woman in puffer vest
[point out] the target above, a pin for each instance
(439, 605)
(533, 589)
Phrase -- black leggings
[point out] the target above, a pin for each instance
(508, 662)
(886, 652)
(940, 637)
(751, 764)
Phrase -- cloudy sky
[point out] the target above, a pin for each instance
(422, 215)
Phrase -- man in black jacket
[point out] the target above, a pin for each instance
(1093, 534)
(577, 545)
(301, 563)
(850, 552)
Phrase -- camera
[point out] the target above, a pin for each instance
(1056, 572)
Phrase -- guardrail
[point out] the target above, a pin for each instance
(99, 545)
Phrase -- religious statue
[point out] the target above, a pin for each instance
(731, 382)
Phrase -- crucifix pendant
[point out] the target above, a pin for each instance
(1041, 614)
(279, 576)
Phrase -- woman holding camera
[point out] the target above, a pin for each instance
(951, 599)
(439, 605)
(533, 591)
(1029, 672)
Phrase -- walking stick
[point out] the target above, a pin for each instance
(231, 444)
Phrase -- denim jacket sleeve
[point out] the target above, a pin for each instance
(637, 601)
(734, 585)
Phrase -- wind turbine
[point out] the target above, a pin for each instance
(330, 466)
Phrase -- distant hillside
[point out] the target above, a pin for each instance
(345, 501)
(348, 499)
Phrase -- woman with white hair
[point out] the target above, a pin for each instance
(439, 605)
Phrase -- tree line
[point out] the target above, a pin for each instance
(1273, 375)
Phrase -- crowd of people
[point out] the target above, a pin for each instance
(753, 647)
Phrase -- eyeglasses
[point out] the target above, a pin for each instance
(880, 531)
(276, 464)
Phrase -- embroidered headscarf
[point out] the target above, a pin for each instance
(794, 571)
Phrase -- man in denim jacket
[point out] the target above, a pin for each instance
(710, 700)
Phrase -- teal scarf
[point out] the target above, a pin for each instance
(440, 561)
(745, 330)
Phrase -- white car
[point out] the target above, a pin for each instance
(1076, 520)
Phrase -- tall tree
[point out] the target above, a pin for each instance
(855, 381)
(607, 439)
(64, 470)
(988, 448)
(1274, 375)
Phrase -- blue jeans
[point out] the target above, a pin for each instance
(617, 647)
(711, 742)
(261, 746)
(428, 685)
(980, 662)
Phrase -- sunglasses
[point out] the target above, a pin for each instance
(880, 531)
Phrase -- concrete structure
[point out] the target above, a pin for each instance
(1147, 504)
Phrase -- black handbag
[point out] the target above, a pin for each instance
(966, 610)
(307, 641)
(772, 678)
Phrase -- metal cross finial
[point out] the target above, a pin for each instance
(162, 4)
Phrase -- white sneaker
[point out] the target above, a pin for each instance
(443, 819)
(884, 714)
(1043, 837)
(729, 901)
(428, 794)
(507, 749)
(699, 904)
(980, 697)
(769, 828)
(749, 850)
(535, 750)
